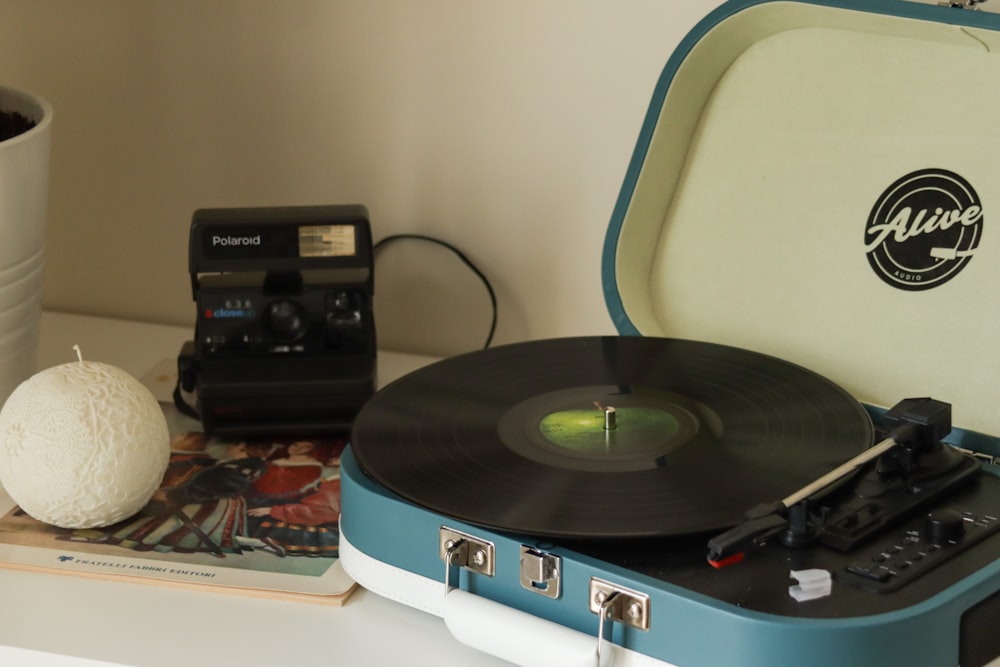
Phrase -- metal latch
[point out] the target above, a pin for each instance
(460, 549)
(613, 603)
(540, 572)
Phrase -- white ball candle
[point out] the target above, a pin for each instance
(82, 445)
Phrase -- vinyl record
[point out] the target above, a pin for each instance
(518, 438)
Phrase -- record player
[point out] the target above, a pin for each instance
(762, 469)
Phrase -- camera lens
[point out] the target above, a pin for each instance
(286, 320)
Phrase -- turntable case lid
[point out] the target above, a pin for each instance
(816, 180)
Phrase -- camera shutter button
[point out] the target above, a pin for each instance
(285, 320)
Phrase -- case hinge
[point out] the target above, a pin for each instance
(962, 4)
(614, 603)
(460, 549)
(619, 604)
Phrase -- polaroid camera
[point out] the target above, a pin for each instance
(284, 341)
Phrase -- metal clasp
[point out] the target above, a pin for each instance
(541, 572)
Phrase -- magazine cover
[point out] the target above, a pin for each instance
(257, 516)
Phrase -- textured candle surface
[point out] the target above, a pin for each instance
(82, 445)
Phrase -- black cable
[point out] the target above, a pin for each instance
(465, 260)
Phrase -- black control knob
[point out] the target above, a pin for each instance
(343, 309)
(286, 320)
(942, 526)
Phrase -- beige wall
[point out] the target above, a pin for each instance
(503, 126)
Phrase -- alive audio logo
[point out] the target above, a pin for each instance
(924, 229)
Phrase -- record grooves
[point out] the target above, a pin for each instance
(516, 437)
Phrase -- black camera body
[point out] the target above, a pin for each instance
(285, 334)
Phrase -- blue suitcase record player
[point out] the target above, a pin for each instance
(783, 458)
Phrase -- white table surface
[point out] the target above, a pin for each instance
(48, 619)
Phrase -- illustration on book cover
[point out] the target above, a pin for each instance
(265, 506)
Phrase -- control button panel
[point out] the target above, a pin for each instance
(943, 534)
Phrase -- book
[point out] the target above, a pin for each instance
(250, 516)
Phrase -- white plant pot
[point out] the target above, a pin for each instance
(24, 193)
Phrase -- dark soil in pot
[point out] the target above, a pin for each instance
(12, 124)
